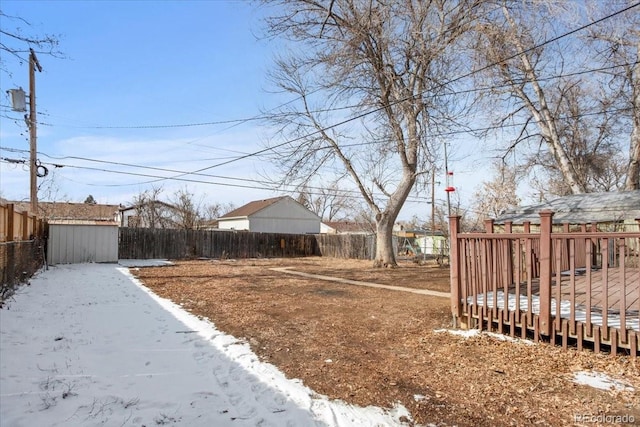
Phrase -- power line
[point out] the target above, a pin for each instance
(361, 144)
(361, 115)
(355, 193)
(466, 75)
(325, 110)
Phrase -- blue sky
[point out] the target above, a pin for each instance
(140, 64)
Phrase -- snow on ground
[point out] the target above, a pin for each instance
(469, 333)
(632, 321)
(600, 381)
(87, 344)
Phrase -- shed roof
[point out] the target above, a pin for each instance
(74, 211)
(82, 222)
(581, 208)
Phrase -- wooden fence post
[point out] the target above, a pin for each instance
(25, 225)
(546, 217)
(454, 268)
(10, 212)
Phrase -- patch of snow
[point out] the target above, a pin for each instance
(600, 381)
(502, 337)
(87, 344)
(469, 333)
(144, 262)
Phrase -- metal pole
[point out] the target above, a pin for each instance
(433, 210)
(33, 64)
(446, 171)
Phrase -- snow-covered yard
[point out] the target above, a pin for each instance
(88, 345)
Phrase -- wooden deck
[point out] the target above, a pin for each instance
(599, 304)
(619, 293)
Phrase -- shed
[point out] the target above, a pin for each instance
(276, 215)
(347, 227)
(81, 241)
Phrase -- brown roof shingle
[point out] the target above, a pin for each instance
(72, 211)
(252, 207)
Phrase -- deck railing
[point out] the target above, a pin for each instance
(569, 286)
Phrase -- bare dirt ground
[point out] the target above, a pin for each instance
(371, 346)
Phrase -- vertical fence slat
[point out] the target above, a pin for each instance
(605, 286)
(623, 293)
(572, 285)
(545, 271)
(558, 252)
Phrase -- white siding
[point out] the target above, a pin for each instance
(239, 224)
(285, 225)
(286, 216)
(71, 244)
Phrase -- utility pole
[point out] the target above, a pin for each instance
(33, 65)
(433, 201)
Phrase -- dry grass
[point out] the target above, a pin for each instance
(375, 347)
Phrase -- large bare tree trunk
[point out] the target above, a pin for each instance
(386, 64)
(385, 255)
(541, 112)
(633, 171)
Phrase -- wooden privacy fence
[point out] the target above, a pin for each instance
(571, 286)
(18, 226)
(21, 247)
(146, 243)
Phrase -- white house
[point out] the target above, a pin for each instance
(277, 215)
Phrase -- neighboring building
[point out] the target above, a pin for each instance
(276, 215)
(150, 214)
(613, 209)
(421, 242)
(346, 227)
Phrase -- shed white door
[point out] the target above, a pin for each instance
(74, 244)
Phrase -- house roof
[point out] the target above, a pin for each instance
(72, 211)
(149, 202)
(252, 207)
(581, 208)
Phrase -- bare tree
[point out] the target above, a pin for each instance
(216, 210)
(17, 38)
(497, 195)
(187, 211)
(383, 68)
(329, 203)
(569, 119)
(150, 211)
(617, 42)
